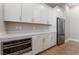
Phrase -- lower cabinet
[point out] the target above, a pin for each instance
(37, 44)
(53, 38)
(46, 41)
(42, 42)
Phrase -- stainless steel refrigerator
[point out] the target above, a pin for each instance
(60, 30)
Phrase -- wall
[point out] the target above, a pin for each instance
(74, 22)
(2, 27)
(67, 21)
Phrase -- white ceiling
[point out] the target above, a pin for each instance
(55, 4)
(62, 4)
(72, 4)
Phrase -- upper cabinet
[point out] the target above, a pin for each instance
(44, 14)
(59, 11)
(1, 11)
(50, 16)
(12, 11)
(27, 12)
(36, 13)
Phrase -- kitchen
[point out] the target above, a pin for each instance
(31, 28)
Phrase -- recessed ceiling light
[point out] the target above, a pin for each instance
(58, 9)
(42, 6)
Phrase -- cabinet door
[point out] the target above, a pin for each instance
(40, 44)
(34, 45)
(36, 13)
(44, 14)
(50, 16)
(53, 39)
(27, 12)
(37, 44)
(12, 11)
(52, 19)
(1, 10)
(47, 41)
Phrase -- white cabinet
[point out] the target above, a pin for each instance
(53, 19)
(53, 39)
(49, 40)
(44, 14)
(59, 11)
(27, 12)
(42, 42)
(40, 13)
(34, 45)
(46, 41)
(37, 44)
(1, 10)
(36, 13)
(51, 14)
(12, 11)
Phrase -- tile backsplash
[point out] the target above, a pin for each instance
(17, 27)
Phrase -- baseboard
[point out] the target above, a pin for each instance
(67, 39)
(76, 40)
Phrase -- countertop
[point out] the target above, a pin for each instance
(8, 37)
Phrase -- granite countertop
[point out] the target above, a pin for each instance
(15, 36)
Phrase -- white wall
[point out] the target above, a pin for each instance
(67, 21)
(74, 22)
